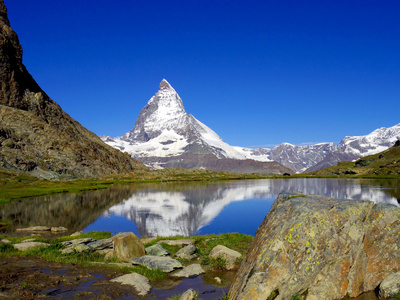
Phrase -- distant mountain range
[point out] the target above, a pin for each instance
(166, 136)
(36, 135)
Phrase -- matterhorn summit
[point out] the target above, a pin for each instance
(165, 135)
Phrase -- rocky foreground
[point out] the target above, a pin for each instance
(322, 248)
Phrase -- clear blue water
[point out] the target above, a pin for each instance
(183, 209)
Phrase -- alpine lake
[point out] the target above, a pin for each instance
(189, 208)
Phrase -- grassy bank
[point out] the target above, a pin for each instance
(204, 244)
(17, 186)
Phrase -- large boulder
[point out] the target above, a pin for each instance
(127, 246)
(321, 246)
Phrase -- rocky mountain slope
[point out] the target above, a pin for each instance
(382, 163)
(36, 134)
(354, 147)
(166, 136)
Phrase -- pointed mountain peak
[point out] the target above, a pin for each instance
(164, 85)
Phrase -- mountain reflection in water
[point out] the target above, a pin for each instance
(183, 208)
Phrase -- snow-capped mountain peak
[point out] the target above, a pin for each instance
(164, 85)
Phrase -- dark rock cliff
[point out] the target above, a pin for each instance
(321, 247)
(36, 134)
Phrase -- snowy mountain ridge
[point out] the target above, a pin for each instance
(165, 135)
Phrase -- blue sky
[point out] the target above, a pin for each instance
(256, 72)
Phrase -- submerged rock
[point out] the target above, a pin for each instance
(190, 294)
(139, 282)
(189, 271)
(165, 264)
(321, 246)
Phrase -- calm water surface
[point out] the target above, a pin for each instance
(183, 209)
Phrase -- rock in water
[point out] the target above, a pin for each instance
(139, 282)
(36, 134)
(321, 246)
(127, 246)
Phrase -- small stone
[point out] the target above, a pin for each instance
(29, 245)
(68, 250)
(77, 233)
(187, 252)
(190, 294)
(139, 282)
(180, 243)
(5, 241)
(189, 271)
(229, 255)
(58, 229)
(157, 250)
(218, 280)
(82, 247)
(390, 286)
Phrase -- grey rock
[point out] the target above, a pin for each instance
(157, 250)
(58, 229)
(102, 244)
(229, 255)
(187, 252)
(29, 245)
(5, 241)
(390, 286)
(68, 250)
(165, 264)
(82, 247)
(189, 271)
(139, 282)
(77, 233)
(190, 294)
(177, 242)
(78, 241)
